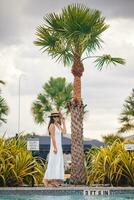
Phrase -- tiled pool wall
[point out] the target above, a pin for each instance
(92, 191)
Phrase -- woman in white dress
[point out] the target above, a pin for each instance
(54, 174)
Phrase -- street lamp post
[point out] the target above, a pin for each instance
(19, 93)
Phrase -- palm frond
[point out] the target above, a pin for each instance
(3, 110)
(126, 127)
(45, 38)
(2, 82)
(106, 60)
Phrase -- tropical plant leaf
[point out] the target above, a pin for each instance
(3, 110)
(106, 60)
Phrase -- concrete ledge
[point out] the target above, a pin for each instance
(79, 190)
(66, 188)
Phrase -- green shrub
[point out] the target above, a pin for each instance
(17, 165)
(110, 165)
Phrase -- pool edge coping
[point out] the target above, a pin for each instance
(77, 188)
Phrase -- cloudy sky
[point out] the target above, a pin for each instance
(104, 92)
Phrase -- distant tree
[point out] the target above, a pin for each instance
(127, 114)
(3, 107)
(109, 139)
(3, 110)
(56, 94)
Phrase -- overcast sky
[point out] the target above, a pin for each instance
(104, 92)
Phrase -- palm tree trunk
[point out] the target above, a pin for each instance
(78, 175)
(77, 149)
(77, 88)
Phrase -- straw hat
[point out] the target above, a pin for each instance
(55, 112)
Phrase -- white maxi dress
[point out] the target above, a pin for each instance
(55, 167)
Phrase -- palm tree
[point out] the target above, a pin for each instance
(127, 114)
(3, 110)
(2, 82)
(73, 36)
(109, 139)
(3, 107)
(56, 94)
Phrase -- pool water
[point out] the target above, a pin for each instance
(67, 197)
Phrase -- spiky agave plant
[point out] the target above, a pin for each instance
(110, 165)
(17, 165)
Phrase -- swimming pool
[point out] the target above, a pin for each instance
(67, 193)
(67, 197)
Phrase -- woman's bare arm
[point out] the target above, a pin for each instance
(52, 132)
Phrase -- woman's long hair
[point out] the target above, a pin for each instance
(52, 122)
